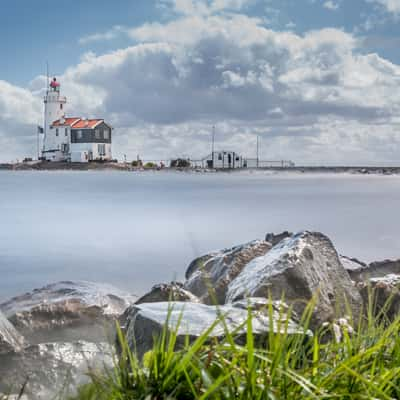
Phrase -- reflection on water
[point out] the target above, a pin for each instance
(136, 229)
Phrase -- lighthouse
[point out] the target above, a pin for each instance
(72, 139)
(53, 142)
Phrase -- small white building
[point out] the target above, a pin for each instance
(72, 139)
(225, 159)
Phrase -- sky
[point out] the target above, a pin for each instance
(316, 80)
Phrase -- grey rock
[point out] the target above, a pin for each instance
(52, 370)
(298, 268)
(362, 272)
(67, 311)
(379, 269)
(274, 239)
(10, 339)
(173, 291)
(208, 276)
(354, 267)
(385, 293)
(146, 321)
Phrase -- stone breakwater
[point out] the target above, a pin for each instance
(121, 166)
(51, 336)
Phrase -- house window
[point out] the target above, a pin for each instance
(106, 134)
(66, 131)
(101, 149)
(97, 133)
(61, 106)
(65, 148)
(220, 156)
(56, 131)
(79, 134)
(237, 158)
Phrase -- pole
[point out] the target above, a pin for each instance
(37, 144)
(47, 73)
(258, 150)
(212, 145)
(45, 107)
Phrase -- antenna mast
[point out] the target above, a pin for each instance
(45, 106)
(212, 145)
(47, 75)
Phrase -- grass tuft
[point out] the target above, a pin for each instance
(359, 360)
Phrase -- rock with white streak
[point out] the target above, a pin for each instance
(10, 340)
(190, 320)
(67, 311)
(298, 268)
(208, 276)
(52, 370)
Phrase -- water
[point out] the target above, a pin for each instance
(137, 229)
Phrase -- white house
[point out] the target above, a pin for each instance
(225, 159)
(72, 139)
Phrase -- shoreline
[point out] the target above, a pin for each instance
(93, 166)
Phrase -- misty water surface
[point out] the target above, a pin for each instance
(136, 229)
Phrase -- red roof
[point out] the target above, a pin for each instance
(86, 123)
(67, 121)
(78, 123)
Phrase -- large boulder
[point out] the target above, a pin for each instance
(208, 276)
(10, 340)
(52, 370)
(173, 291)
(146, 321)
(298, 268)
(67, 311)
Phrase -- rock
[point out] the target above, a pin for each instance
(360, 271)
(214, 271)
(67, 311)
(275, 239)
(10, 339)
(173, 291)
(298, 268)
(52, 370)
(354, 267)
(146, 321)
(380, 269)
(386, 295)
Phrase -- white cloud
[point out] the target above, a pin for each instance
(111, 34)
(205, 7)
(331, 5)
(392, 6)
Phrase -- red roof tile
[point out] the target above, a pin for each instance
(87, 123)
(67, 121)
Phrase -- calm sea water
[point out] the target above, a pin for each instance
(137, 229)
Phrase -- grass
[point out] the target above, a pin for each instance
(343, 360)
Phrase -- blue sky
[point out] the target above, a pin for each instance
(316, 79)
(46, 30)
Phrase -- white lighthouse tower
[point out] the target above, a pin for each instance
(53, 110)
